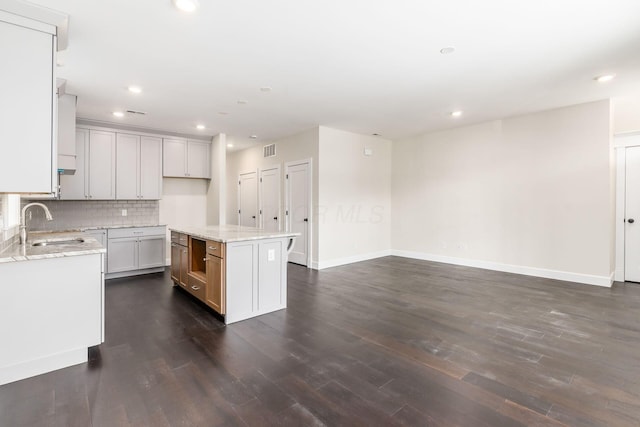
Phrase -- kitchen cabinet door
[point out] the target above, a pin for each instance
(151, 252)
(123, 254)
(199, 159)
(27, 109)
(174, 158)
(73, 187)
(176, 251)
(150, 168)
(127, 161)
(215, 284)
(102, 165)
(184, 267)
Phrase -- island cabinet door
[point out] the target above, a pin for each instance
(176, 252)
(184, 267)
(215, 284)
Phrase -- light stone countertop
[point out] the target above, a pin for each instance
(231, 233)
(29, 252)
(100, 227)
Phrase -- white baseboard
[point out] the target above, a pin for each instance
(31, 368)
(605, 281)
(320, 265)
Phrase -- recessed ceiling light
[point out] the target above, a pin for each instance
(135, 89)
(456, 113)
(223, 113)
(447, 50)
(242, 102)
(200, 127)
(604, 78)
(118, 113)
(186, 5)
(253, 136)
(265, 89)
(229, 145)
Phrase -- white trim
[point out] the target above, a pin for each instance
(48, 363)
(621, 156)
(588, 279)
(321, 265)
(254, 171)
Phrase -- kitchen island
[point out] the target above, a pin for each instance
(51, 303)
(240, 272)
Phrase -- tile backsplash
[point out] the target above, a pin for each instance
(69, 214)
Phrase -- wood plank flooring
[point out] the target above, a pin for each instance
(386, 342)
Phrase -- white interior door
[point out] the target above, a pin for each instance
(632, 216)
(248, 199)
(298, 184)
(270, 199)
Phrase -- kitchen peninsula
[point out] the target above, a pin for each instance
(240, 272)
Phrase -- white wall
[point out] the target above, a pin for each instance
(217, 186)
(296, 147)
(354, 211)
(184, 203)
(529, 194)
(626, 111)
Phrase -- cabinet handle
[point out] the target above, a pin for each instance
(195, 288)
(205, 259)
(213, 248)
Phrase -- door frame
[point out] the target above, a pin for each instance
(621, 142)
(239, 193)
(260, 207)
(287, 165)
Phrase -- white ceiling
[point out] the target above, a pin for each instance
(367, 66)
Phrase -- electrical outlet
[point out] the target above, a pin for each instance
(124, 212)
(271, 255)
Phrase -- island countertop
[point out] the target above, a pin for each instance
(231, 233)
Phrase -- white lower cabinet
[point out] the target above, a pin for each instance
(136, 250)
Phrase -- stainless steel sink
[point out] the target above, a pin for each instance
(58, 242)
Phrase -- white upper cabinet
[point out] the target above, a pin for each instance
(138, 168)
(127, 166)
(73, 187)
(95, 176)
(27, 135)
(186, 158)
(102, 165)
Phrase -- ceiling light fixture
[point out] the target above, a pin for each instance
(604, 78)
(253, 136)
(265, 89)
(223, 113)
(447, 50)
(186, 5)
(229, 145)
(456, 113)
(243, 102)
(135, 89)
(200, 127)
(118, 113)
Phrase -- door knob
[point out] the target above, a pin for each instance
(275, 218)
(306, 220)
(253, 216)
(631, 220)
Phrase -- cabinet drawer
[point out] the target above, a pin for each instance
(215, 248)
(179, 238)
(115, 233)
(197, 286)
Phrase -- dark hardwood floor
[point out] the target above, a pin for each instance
(386, 342)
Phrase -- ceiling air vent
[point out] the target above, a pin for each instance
(269, 150)
(142, 113)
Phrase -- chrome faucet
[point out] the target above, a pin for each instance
(23, 220)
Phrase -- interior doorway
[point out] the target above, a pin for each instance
(298, 209)
(628, 208)
(248, 199)
(269, 197)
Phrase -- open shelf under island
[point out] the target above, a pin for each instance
(240, 272)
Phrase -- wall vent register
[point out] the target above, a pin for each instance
(269, 150)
